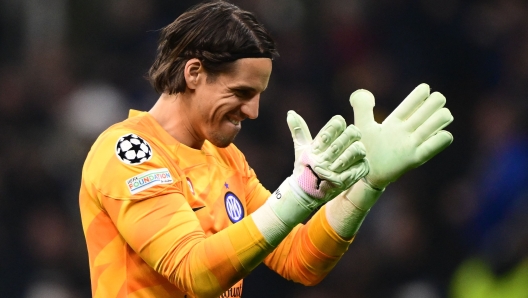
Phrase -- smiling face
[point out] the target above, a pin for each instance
(216, 107)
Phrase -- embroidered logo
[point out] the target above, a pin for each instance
(133, 150)
(234, 208)
(148, 179)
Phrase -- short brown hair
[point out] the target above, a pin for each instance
(217, 33)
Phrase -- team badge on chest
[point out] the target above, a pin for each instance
(234, 208)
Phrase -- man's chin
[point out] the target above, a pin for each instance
(222, 141)
(222, 145)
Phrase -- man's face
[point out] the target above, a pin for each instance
(218, 107)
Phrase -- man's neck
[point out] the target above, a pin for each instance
(170, 112)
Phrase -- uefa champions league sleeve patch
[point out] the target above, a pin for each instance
(133, 150)
(234, 208)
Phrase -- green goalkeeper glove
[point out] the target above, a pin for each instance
(411, 135)
(330, 163)
(323, 168)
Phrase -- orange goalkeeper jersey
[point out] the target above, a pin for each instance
(165, 220)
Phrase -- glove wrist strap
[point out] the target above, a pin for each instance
(362, 195)
(283, 210)
(290, 203)
(347, 211)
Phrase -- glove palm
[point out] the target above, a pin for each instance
(407, 138)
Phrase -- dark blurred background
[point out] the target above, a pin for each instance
(455, 227)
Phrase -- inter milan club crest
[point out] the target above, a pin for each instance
(234, 208)
(133, 150)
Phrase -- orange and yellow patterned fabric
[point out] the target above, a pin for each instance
(165, 220)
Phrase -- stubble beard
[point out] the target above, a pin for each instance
(221, 140)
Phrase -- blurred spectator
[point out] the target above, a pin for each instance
(50, 247)
(489, 204)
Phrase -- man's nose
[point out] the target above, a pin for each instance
(250, 108)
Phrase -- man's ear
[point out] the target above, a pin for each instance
(193, 72)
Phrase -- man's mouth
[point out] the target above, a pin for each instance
(233, 120)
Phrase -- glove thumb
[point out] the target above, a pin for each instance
(363, 103)
(299, 130)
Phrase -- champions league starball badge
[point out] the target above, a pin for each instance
(133, 150)
(234, 208)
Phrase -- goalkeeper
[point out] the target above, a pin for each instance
(170, 207)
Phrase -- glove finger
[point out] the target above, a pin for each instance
(325, 174)
(299, 130)
(440, 119)
(343, 141)
(433, 103)
(355, 172)
(433, 146)
(410, 103)
(363, 103)
(347, 178)
(349, 157)
(328, 134)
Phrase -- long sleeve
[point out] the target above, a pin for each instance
(309, 252)
(166, 234)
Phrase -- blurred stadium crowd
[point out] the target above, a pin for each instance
(455, 227)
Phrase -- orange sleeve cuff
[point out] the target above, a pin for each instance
(249, 253)
(324, 238)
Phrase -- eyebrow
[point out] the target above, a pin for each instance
(244, 88)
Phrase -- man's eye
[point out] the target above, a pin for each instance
(243, 94)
